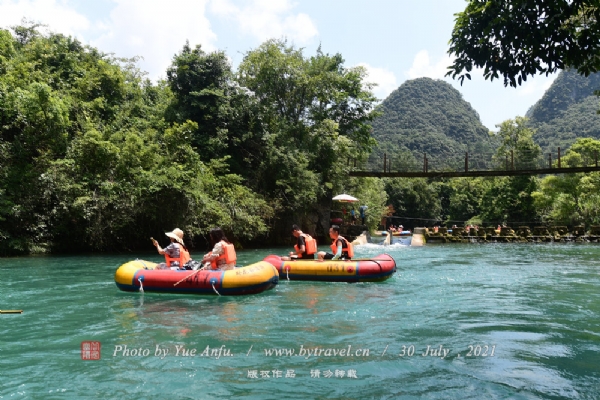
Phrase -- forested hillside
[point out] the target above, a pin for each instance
(567, 111)
(428, 116)
(95, 157)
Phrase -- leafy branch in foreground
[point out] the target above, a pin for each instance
(514, 39)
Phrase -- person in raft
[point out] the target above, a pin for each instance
(223, 255)
(305, 247)
(176, 254)
(343, 249)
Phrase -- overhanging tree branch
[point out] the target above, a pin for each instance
(514, 39)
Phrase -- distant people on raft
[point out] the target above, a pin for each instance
(341, 248)
(305, 247)
(222, 256)
(176, 254)
(352, 216)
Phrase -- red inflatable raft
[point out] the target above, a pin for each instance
(141, 275)
(375, 269)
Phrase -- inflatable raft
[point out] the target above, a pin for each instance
(140, 275)
(376, 269)
(394, 233)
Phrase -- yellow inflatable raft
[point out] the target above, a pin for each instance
(140, 275)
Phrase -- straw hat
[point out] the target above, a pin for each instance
(177, 234)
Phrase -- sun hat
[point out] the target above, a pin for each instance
(177, 234)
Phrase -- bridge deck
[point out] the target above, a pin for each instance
(471, 174)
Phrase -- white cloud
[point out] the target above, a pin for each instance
(56, 14)
(155, 31)
(422, 66)
(384, 78)
(266, 19)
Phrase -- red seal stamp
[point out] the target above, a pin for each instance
(90, 350)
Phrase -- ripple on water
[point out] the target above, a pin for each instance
(538, 305)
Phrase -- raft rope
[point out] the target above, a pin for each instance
(287, 272)
(141, 261)
(141, 285)
(213, 286)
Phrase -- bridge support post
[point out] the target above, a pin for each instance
(512, 159)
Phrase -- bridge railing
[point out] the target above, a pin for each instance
(468, 162)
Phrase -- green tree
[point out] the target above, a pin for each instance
(88, 160)
(314, 116)
(517, 148)
(509, 199)
(572, 198)
(515, 39)
(370, 192)
(415, 198)
(465, 197)
(106, 187)
(205, 92)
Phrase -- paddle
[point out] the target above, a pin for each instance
(189, 276)
(11, 311)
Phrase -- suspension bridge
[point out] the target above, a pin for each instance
(473, 165)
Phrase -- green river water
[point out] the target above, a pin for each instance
(460, 321)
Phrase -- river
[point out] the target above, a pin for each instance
(463, 321)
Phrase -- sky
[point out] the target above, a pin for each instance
(395, 40)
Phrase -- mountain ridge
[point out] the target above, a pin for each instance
(427, 116)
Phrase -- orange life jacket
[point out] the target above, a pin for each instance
(310, 245)
(228, 255)
(184, 257)
(347, 247)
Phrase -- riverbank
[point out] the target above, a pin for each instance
(538, 234)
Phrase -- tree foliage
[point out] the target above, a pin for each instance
(205, 92)
(572, 198)
(515, 39)
(95, 157)
(415, 198)
(90, 161)
(315, 114)
(465, 198)
(517, 145)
